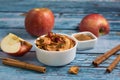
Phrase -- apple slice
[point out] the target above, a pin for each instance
(14, 45)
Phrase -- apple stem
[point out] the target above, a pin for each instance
(101, 31)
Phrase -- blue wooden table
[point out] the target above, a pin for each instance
(68, 15)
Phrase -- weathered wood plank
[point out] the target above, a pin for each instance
(67, 18)
(57, 6)
(103, 44)
(65, 21)
(86, 72)
(82, 59)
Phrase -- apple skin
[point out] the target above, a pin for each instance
(95, 23)
(25, 47)
(39, 21)
(14, 45)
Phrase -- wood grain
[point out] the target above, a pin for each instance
(68, 14)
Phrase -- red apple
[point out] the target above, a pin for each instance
(14, 45)
(39, 21)
(95, 23)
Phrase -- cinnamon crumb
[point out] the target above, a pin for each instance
(74, 70)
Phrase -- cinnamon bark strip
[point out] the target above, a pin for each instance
(20, 64)
(113, 64)
(105, 56)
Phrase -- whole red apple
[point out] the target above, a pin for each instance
(95, 23)
(39, 21)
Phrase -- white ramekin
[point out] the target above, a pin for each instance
(87, 44)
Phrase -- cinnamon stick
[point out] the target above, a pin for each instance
(20, 64)
(106, 55)
(113, 64)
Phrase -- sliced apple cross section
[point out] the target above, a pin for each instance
(14, 45)
(10, 44)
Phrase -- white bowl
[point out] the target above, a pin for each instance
(56, 58)
(86, 44)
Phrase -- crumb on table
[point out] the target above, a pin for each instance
(74, 70)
